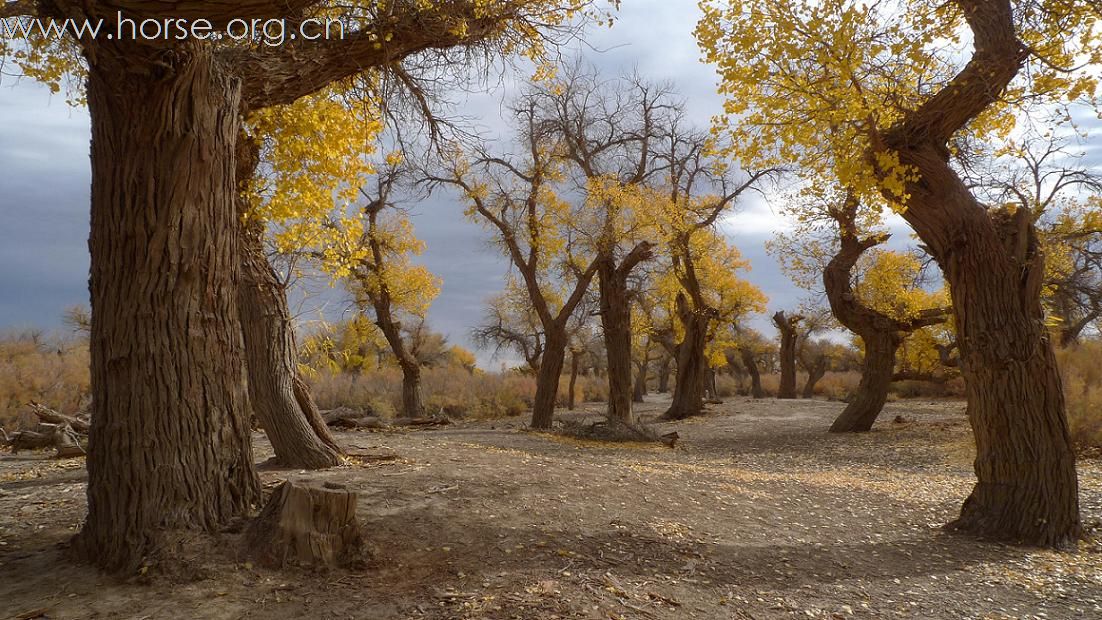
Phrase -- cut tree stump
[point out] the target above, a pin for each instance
(307, 525)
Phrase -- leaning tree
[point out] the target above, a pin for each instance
(170, 444)
(879, 98)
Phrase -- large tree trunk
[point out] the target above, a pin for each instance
(751, 365)
(547, 379)
(664, 370)
(787, 328)
(688, 391)
(616, 325)
(412, 401)
(272, 361)
(1027, 489)
(169, 445)
(876, 379)
(815, 372)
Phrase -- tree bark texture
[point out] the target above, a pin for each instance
(688, 391)
(616, 326)
(547, 379)
(169, 444)
(787, 327)
(751, 364)
(1026, 489)
(272, 360)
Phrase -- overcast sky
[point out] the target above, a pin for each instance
(44, 187)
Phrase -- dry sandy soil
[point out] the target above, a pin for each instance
(758, 513)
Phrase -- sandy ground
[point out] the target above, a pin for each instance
(758, 513)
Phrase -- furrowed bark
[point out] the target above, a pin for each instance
(169, 444)
(787, 328)
(1026, 489)
(688, 391)
(275, 390)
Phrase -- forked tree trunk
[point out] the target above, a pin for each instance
(787, 328)
(688, 391)
(572, 397)
(815, 372)
(547, 379)
(616, 326)
(272, 361)
(169, 445)
(751, 365)
(664, 370)
(876, 379)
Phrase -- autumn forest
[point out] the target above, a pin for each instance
(272, 405)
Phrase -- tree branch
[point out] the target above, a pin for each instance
(280, 75)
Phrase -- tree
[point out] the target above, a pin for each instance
(789, 333)
(704, 293)
(295, 163)
(371, 248)
(874, 293)
(166, 358)
(700, 189)
(517, 198)
(873, 97)
(607, 132)
(511, 323)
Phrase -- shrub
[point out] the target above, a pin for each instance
(51, 371)
(1082, 375)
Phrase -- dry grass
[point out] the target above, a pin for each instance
(1082, 376)
(453, 390)
(51, 371)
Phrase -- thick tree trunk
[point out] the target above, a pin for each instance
(664, 370)
(272, 361)
(751, 365)
(787, 328)
(412, 402)
(616, 325)
(640, 389)
(547, 379)
(876, 379)
(815, 372)
(688, 391)
(572, 397)
(1027, 489)
(169, 445)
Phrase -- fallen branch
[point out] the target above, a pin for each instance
(45, 414)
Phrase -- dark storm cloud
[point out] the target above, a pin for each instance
(43, 206)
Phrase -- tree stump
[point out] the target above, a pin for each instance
(307, 526)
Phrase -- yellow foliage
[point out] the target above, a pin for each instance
(816, 82)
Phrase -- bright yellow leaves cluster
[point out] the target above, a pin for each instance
(314, 158)
(816, 82)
